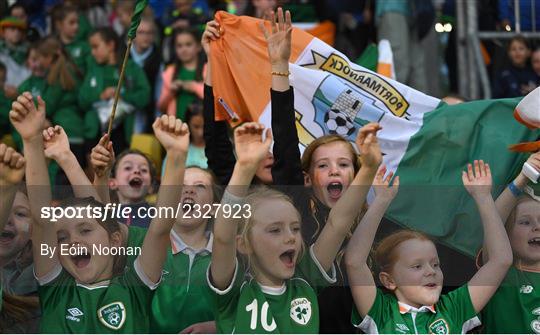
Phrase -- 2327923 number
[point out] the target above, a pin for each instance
(209, 211)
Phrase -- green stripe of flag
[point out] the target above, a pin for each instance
(432, 198)
(136, 18)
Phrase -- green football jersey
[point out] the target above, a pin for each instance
(453, 314)
(79, 52)
(120, 305)
(181, 299)
(515, 307)
(136, 237)
(247, 307)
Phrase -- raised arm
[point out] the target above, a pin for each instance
(348, 207)
(360, 277)
(102, 160)
(173, 135)
(11, 174)
(279, 48)
(507, 200)
(56, 145)
(218, 147)
(482, 286)
(287, 168)
(28, 121)
(251, 150)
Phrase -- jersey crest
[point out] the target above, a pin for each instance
(439, 326)
(526, 289)
(301, 310)
(76, 52)
(113, 315)
(535, 324)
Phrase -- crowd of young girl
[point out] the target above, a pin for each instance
(522, 74)
(295, 259)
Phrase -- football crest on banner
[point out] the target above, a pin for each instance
(113, 315)
(341, 109)
(301, 311)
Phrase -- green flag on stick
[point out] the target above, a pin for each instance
(136, 18)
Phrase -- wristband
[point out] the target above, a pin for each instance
(231, 199)
(282, 74)
(514, 189)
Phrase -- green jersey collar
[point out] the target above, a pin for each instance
(178, 245)
(404, 308)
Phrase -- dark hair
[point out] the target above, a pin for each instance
(16, 310)
(15, 5)
(521, 39)
(194, 109)
(3, 67)
(108, 35)
(153, 173)
(60, 12)
(177, 62)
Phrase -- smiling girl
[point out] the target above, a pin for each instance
(86, 283)
(409, 269)
(65, 19)
(99, 86)
(180, 303)
(277, 292)
(182, 80)
(514, 307)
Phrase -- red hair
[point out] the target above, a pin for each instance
(385, 253)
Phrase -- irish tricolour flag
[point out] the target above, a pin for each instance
(427, 142)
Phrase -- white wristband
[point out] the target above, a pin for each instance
(231, 199)
(531, 172)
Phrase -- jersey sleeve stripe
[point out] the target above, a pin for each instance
(368, 325)
(470, 324)
(332, 278)
(229, 288)
(143, 277)
(49, 277)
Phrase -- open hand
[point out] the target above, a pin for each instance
(382, 187)
(249, 145)
(11, 166)
(370, 151)
(477, 179)
(279, 38)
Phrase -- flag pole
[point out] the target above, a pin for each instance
(135, 20)
(119, 86)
